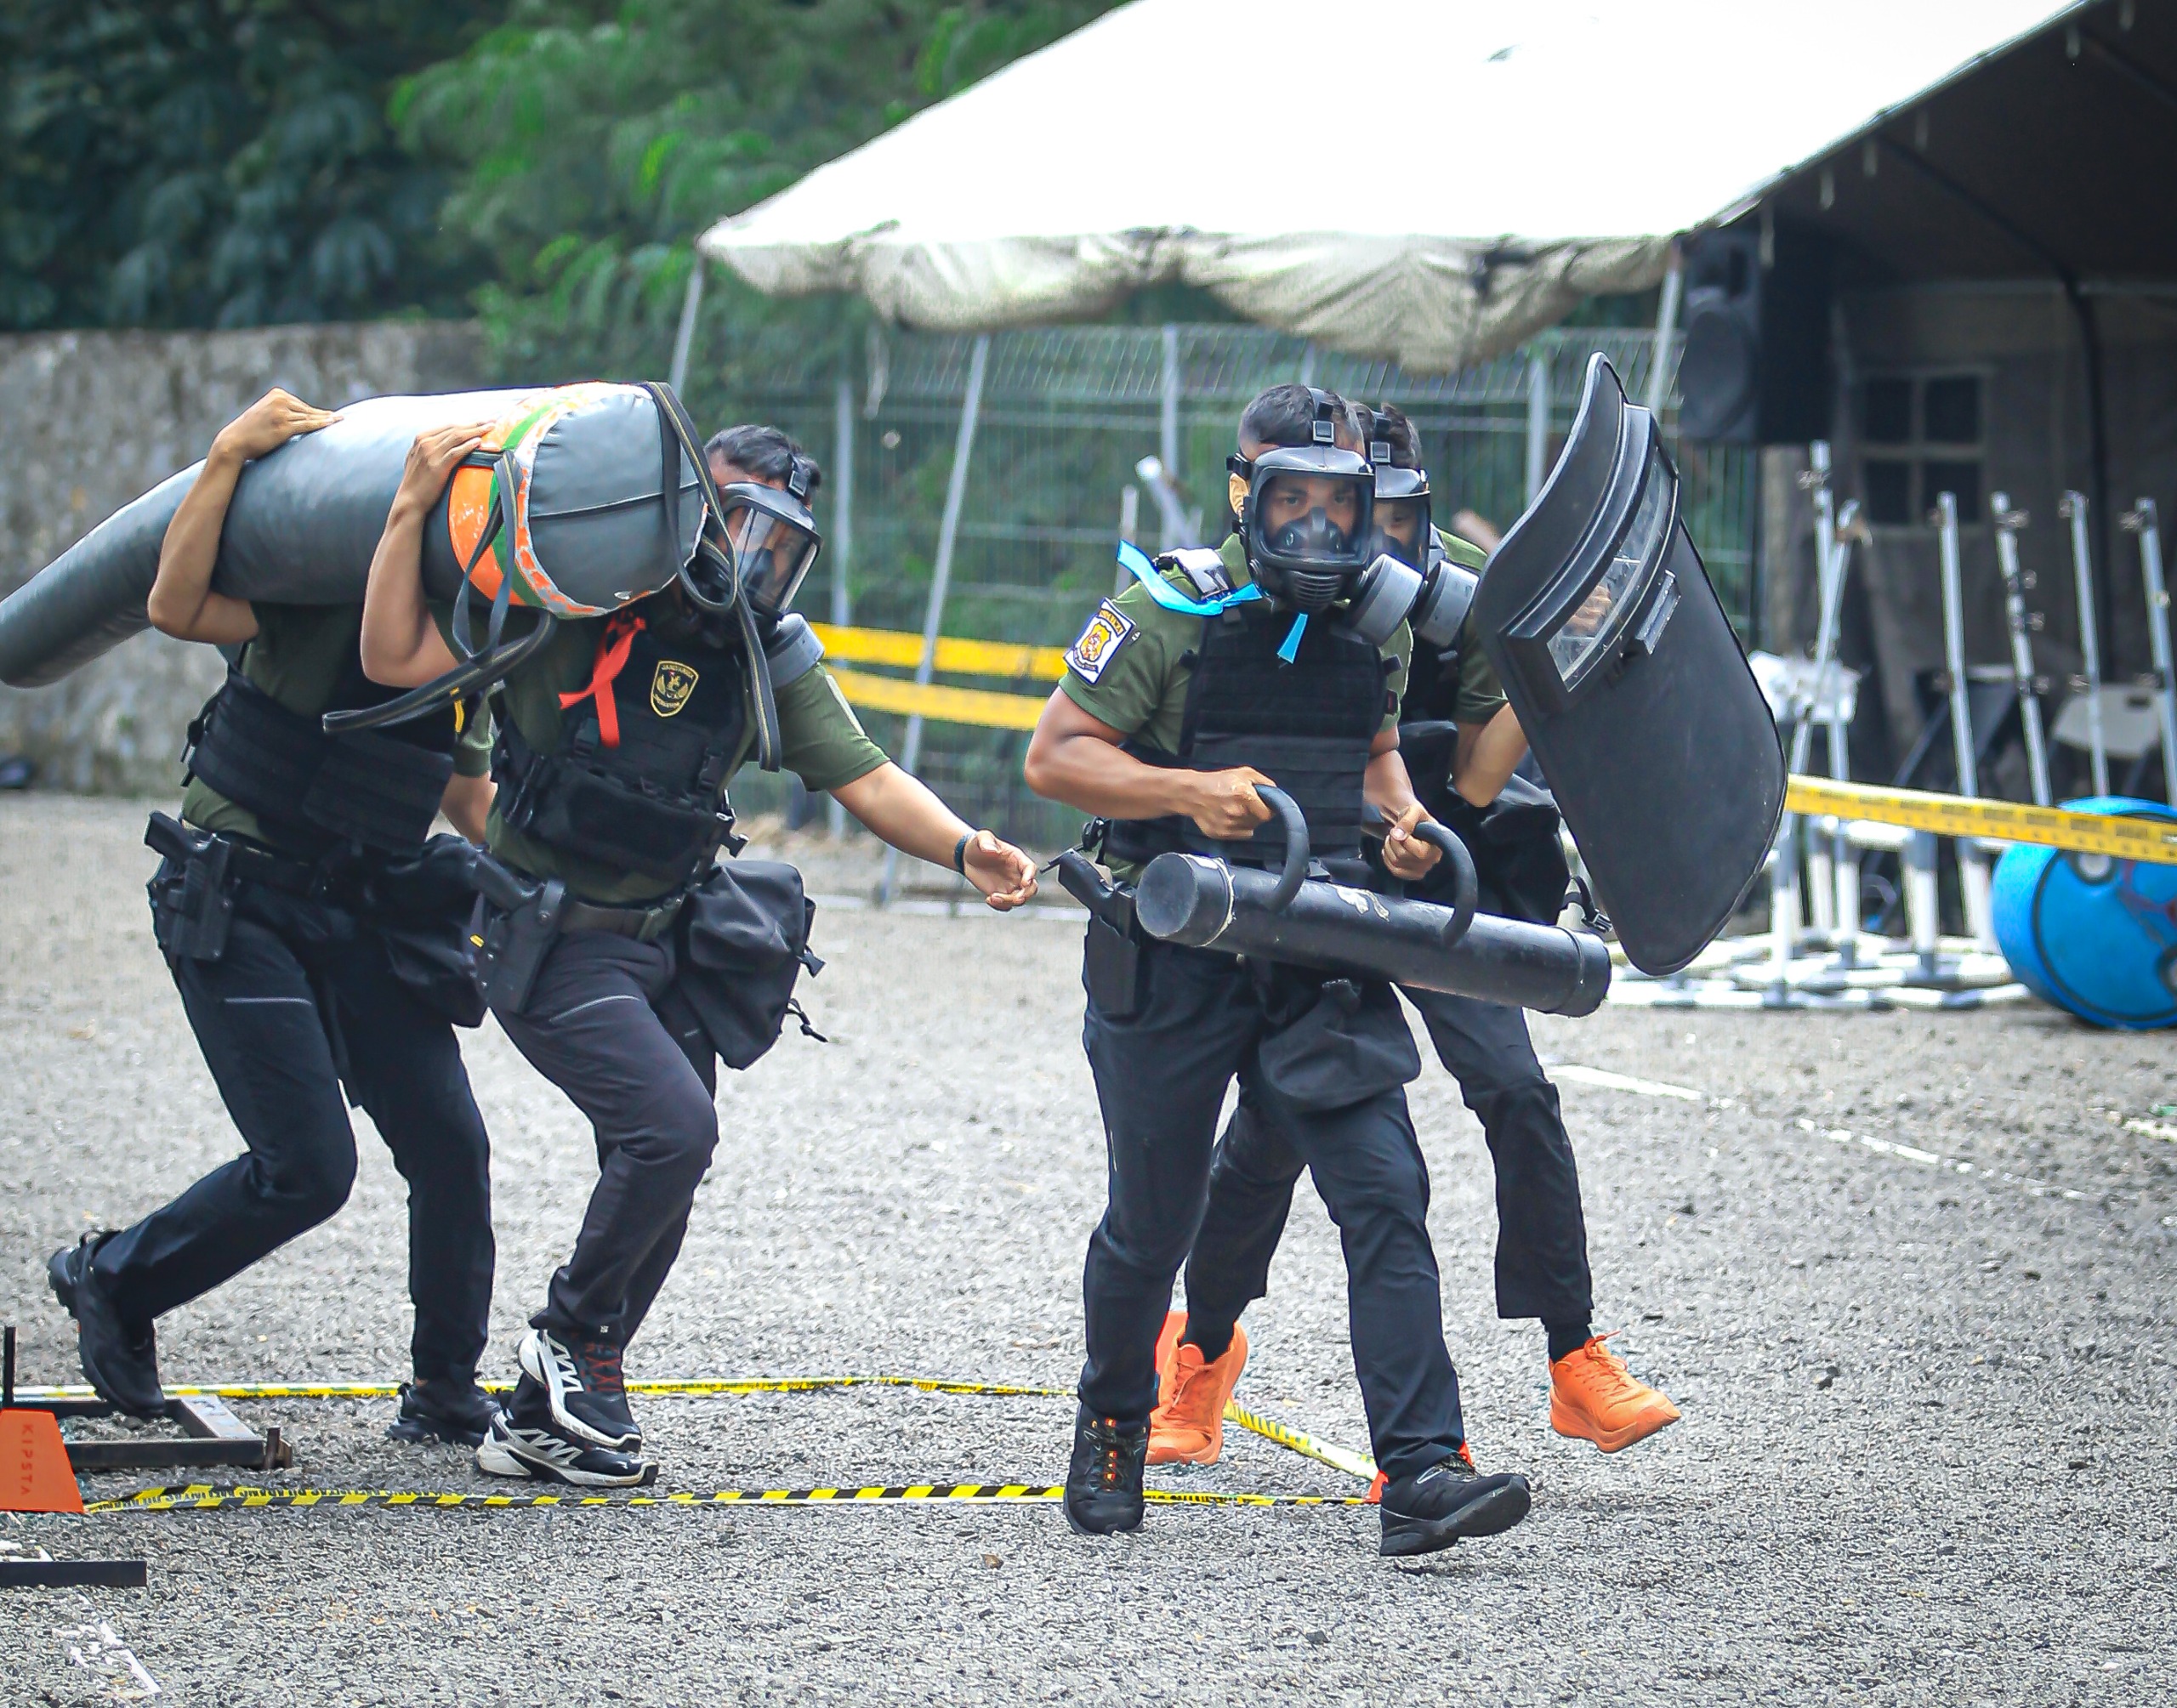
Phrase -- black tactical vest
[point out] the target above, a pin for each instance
(312, 791)
(1307, 726)
(653, 804)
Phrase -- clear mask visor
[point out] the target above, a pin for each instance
(774, 547)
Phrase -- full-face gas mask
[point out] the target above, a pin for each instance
(774, 541)
(1408, 579)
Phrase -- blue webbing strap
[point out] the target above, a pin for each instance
(1136, 563)
(1289, 647)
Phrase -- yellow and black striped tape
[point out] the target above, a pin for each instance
(202, 1497)
(2010, 821)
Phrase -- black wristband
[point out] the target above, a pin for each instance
(960, 853)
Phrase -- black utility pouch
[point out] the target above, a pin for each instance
(192, 904)
(515, 946)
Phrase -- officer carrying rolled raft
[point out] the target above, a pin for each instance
(316, 930)
(617, 955)
(1272, 661)
(1460, 741)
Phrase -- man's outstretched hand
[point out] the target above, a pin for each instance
(1005, 876)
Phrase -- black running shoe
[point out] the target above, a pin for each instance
(1103, 1483)
(121, 1358)
(583, 1385)
(1450, 1500)
(444, 1408)
(524, 1440)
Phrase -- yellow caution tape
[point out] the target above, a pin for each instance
(1300, 1441)
(954, 657)
(2011, 821)
(684, 1387)
(202, 1497)
(939, 703)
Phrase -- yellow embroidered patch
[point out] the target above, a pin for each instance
(1107, 632)
(670, 687)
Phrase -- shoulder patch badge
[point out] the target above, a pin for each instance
(671, 686)
(1107, 632)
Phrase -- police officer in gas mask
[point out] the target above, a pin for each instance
(317, 932)
(1460, 742)
(619, 956)
(1277, 659)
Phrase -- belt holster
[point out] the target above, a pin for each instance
(514, 942)
(1110, 959)
(192, 904)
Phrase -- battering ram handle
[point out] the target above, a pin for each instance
(1296, 845)
(1466, 887)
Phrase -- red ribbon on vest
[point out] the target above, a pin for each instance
(612, 648)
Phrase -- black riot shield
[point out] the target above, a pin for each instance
(1631, 686)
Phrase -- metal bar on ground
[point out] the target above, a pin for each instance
(940, 574)
(2073, 510)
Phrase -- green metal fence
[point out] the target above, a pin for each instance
(1063, 421)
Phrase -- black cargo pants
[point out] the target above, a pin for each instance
(1542, 1236)
(302, 998)
(1161, 1077)
(604, 1024)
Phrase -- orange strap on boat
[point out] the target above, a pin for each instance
(613, 647)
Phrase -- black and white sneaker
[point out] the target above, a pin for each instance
(582, 1386)
(524, 1441)
(443, 1408)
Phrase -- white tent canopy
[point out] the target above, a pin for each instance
(1429, 181)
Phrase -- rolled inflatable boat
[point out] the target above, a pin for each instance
(574, 473)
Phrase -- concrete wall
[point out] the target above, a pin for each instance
(89, 421)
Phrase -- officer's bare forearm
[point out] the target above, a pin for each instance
(401, 646)
(1487, 756)
(904, 811)
(182, 603)
(1076, 759)
(467, 803)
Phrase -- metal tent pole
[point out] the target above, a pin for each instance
(2146, 522)
(1972, 866)
(2009, 523)
(2073, 510)
(1537, 422)
(835, 815)
(1821, 851)
(684, 338)
(1666, 331)
(940, 574)
(1168, 436)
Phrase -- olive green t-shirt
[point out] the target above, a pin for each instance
(820, 740)
(1128, 668)
(1481, 695)
(297, 656)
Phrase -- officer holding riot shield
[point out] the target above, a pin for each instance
(1459, 740)
(317, 933)
(619, 957)
(1279, 659)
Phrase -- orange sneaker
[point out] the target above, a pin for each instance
(1167, 1342)
(1188, 1426)
(1593, 1397)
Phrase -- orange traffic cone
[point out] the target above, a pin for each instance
(34, 1473)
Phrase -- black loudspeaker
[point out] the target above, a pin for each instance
(1755, 366)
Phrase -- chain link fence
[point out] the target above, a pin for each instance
(1055, 472)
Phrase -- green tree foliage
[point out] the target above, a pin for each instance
(220, 162)
(600, 139)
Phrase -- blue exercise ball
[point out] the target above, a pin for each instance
(2092, 933)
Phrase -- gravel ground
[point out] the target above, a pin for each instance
(1926, 1456)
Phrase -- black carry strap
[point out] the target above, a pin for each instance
(478, 668)
(763, 700)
